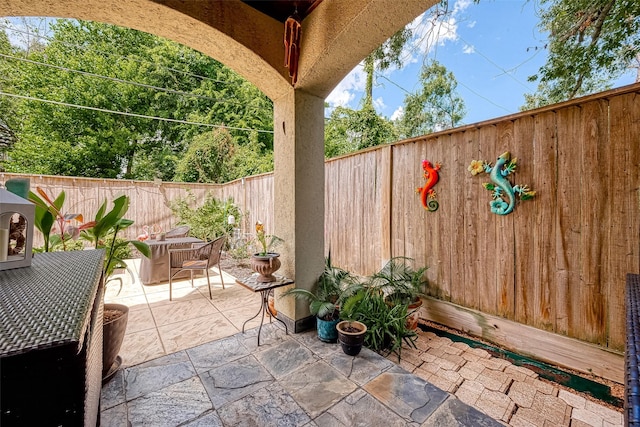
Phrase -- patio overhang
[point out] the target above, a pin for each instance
(248, 37)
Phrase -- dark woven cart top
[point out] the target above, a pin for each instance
(632, 354)
(48, 304)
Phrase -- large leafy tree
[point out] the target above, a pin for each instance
(591, 42)
(349, 130)
(169, 83)
(435, 106)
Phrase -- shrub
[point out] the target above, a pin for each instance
(207, 221)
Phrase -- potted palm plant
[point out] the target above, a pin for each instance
(401, 284)
(333, 285)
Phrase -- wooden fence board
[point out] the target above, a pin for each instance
(624, 201)
(525, 258)
(486, 282)
(594, 201)
(568, 251)
(504, 243)
(473, 268)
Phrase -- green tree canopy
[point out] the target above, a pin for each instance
(435, 106)
(591, 42)
(145, 76)
(349, 130)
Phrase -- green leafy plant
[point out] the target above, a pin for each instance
(333, 286)
(386, 323)
(209, 220)
(49, 218)
(400, 283)
(104, 232)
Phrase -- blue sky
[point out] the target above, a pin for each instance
(490, 47)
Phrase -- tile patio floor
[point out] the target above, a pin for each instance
(186, 363)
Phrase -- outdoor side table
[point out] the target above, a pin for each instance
(51, 340)
(253, 285)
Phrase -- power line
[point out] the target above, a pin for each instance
(484, 97)
(123, 113)
(141, 61)
(496, 65)
(115, 79)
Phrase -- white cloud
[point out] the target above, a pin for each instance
(469, 49)
(344, 93)
(378, 104)
(398, 113)
(471, 24)
(429, 32)
(460, 6)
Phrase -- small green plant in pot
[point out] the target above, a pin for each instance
(333, 285)
(104, 235)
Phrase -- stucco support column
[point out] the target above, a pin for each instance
(299, 195)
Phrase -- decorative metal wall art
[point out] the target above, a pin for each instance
(427, 193)
(503, 193)
(292, 36)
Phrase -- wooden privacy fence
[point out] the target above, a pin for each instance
(557, 263)
(150, 202)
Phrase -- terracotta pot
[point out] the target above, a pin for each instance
(414, 314)
(272, 304)
(351, 336)
(113, 335)
(265, 266)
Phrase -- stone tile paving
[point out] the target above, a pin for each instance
(511, 394)
(290, 380)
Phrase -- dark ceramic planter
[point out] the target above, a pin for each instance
(351, 341)
(327, 331)
(113, 335)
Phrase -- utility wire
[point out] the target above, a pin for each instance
(141, 61)
(123, 113)
(115, 79)
(484, 97)
(496, 65)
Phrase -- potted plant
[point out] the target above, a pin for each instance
(104, 234)
(386, 323)
(401, 284)
(333, 285)
(265, 262)
(351, 335)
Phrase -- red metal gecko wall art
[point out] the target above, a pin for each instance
(427, 193)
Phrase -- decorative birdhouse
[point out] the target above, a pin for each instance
(17, 217)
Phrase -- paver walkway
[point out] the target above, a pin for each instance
(187, 364)
(509, 393)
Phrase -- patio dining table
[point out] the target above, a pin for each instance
(156, 268)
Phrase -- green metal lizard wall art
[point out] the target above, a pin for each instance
(500, 186)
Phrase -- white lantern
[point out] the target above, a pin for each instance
(17, 217)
